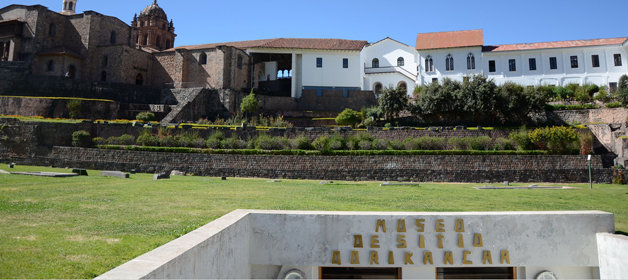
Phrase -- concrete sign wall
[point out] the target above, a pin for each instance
(246, 244)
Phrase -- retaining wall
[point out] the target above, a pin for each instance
(423, 168)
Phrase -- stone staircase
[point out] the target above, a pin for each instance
(613, 137)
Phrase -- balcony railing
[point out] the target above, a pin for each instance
(389, 69)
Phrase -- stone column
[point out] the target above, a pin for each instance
(293, 79)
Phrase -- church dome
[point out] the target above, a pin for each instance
(155, 11)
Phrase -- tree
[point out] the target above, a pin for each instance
(249, 104)
(349, 117)
(392, 101)
(622, 90)
(74, 108)
(145, 116)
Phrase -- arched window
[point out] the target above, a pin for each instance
(70, 6)
(51, 66)
(470, 62)
(400, 61)
(103, 76)
(279, 74)
(112, 38)
(105, 60)
(286, 74)
(202, 59)
(71, 72)
(375, 63)
(139, 79)
(429, 64)
(402, 85)
(52, 30)
(377, 88)
(290, 74)
(449, 63)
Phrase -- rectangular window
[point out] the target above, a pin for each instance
(595, 60)
(360, 273)
(345, 63)
(476, 273)
(532, 62)
(574, 61)
(491, 66)
(612, 87)
(319, 62)
(617, 58)
(553, 63)
(512, 65)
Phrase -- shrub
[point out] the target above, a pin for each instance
(397, 145)
(335, 144)
(411, 144)
(432, 143)
(613, 105)
(81, 138)
(213, 143)
(586, 142)
(320, 143)
(502, 143)
(249, 104)
(125, 139)
(622, 90)
(582, 95)
(147, 139)
(380, 144)
(145, 116)
(557, 139)
(481, 143)
(266, 142)
(235, 143)
(300, 143)
(458, 143)
(392, 101)
(364, 145)
(99, 141)
(349, 117)
(74, 108)
(521, 139)
(168, 141)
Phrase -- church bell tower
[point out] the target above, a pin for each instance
(69, 7)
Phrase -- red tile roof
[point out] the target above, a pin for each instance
(288, 43)
(452, 39)
(558, 44)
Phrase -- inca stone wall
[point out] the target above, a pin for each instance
(420, 168)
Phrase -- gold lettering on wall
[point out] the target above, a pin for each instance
(373, 258)
(391, 257)
(421, 241)
(477, 240)
(401, 241)
(408, 258)
(440, 227)
(459, 225)
(401, 225)
(449, 258)
(427, 257)
(504, 257)
(335, 258)
(357, 241)
(486, 257)
(464, 257)
(440, 241)
(460, 241)
(375, 241)
(380, 224)
(420, 225)
(355, 257)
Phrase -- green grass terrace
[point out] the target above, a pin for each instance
(81, 227)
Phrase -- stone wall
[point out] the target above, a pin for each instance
(335, 101)
(56, 108)
(605, 115)
(423, 168)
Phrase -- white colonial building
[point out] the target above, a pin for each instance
(388, 63)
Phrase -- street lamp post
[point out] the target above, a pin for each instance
(590, 179)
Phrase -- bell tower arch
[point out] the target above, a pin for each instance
(152, 28)
(69, 7)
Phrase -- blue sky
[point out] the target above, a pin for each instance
(503, 22)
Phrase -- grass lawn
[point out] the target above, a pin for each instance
(81, 227)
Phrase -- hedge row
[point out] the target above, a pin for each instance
(315, 152)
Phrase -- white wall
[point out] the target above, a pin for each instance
(388, 51)
(613, 251)
(460, 63)
(564, 74)
(331, 74)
